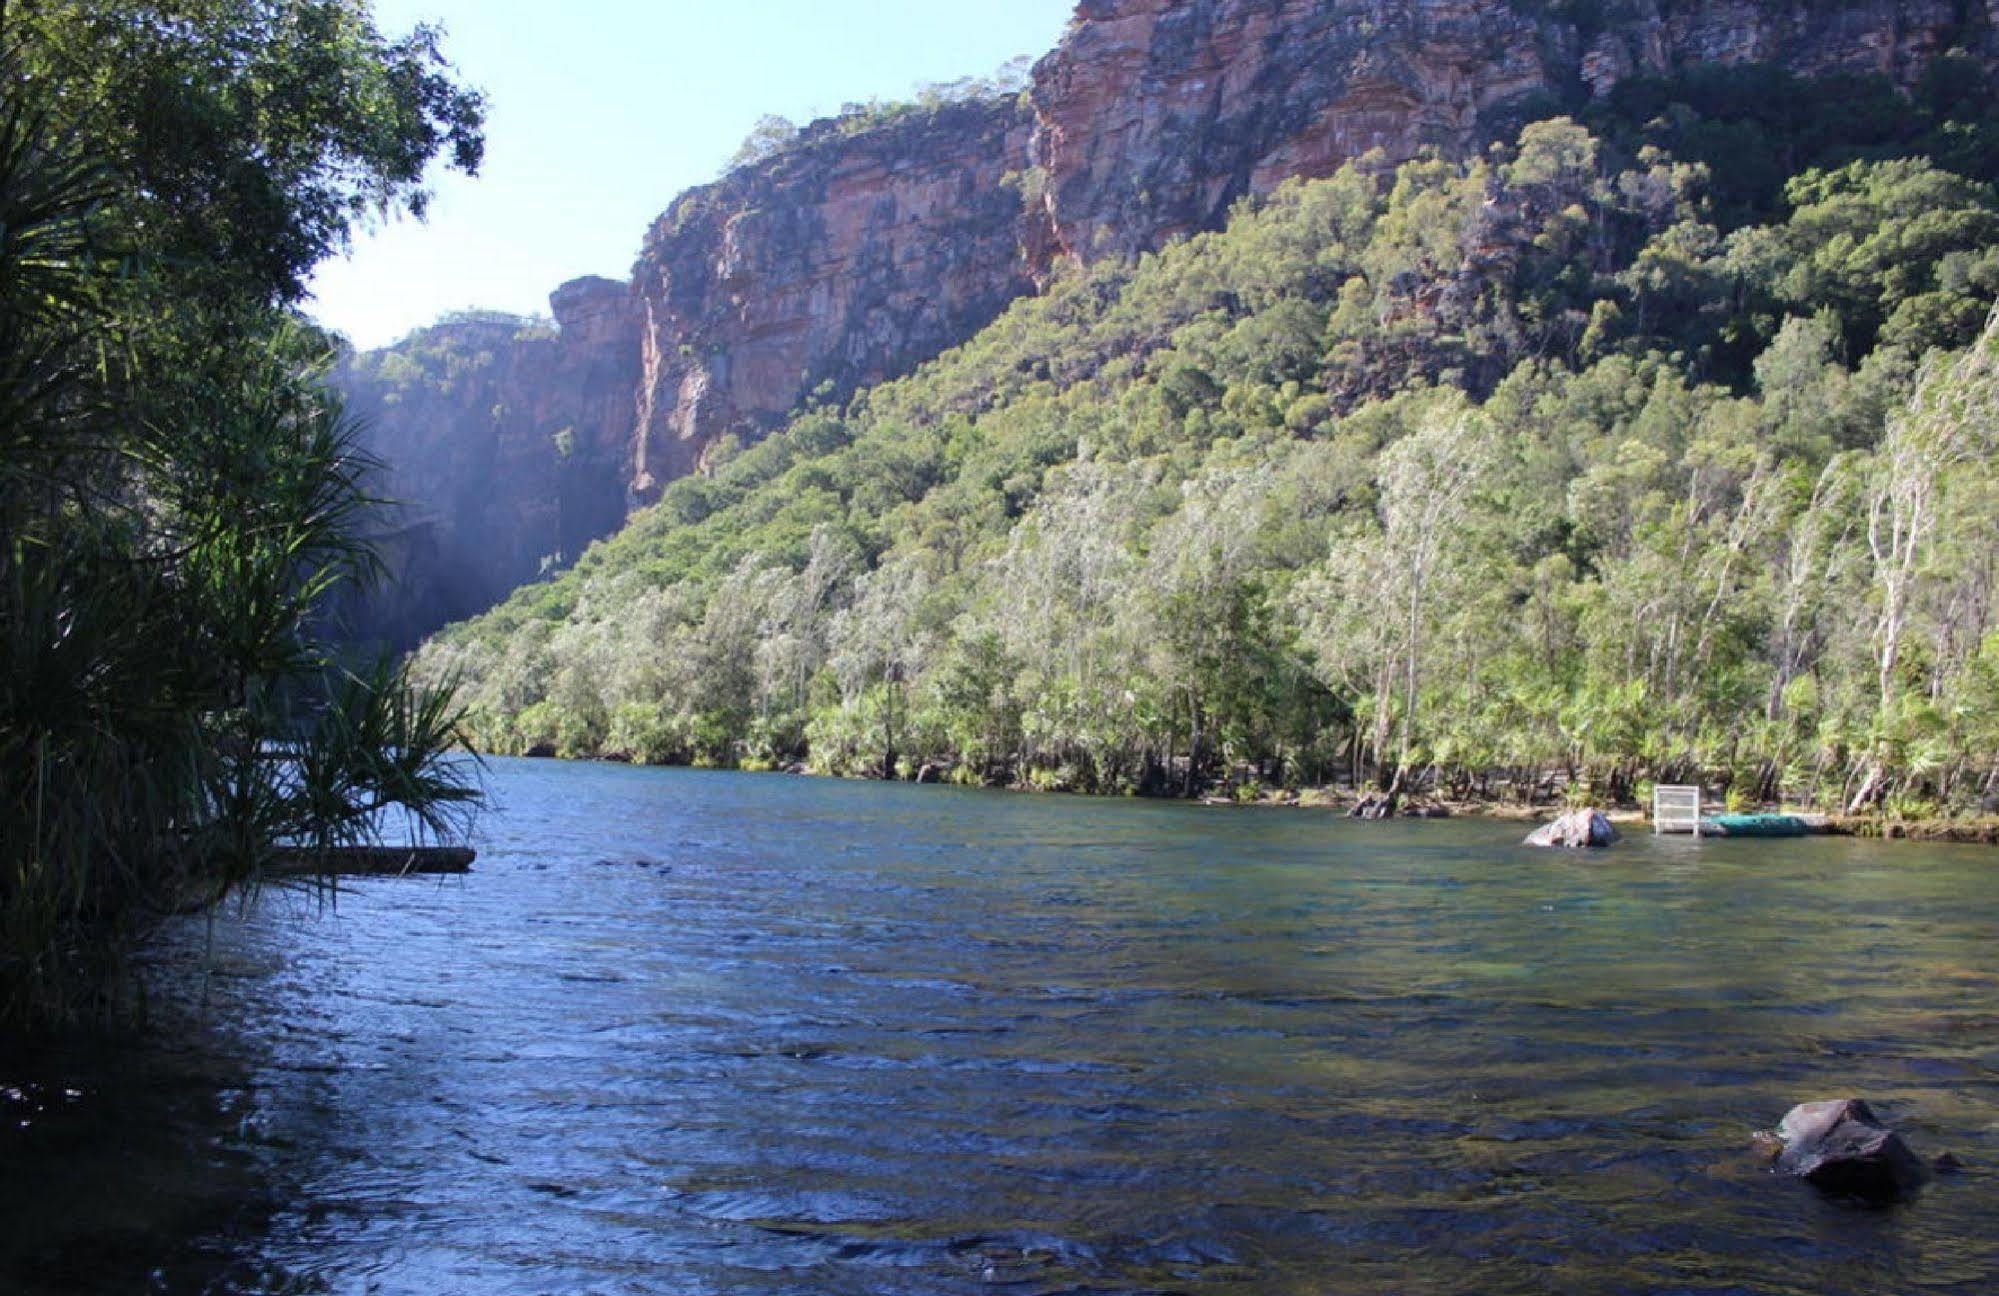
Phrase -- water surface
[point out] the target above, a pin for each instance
(711, 1033)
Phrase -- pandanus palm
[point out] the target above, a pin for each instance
(178, 496)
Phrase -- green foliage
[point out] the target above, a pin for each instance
(1896, 251)
(178, 493)
(438, 362)
(1754, 126)
(773, 136)
(770, 136)
(246, 139)
(1456, 475)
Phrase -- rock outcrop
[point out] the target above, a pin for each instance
(873, 242)
(857, 253)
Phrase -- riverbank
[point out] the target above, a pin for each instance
(1982, 830)
(1967, 830)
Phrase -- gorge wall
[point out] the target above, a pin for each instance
(870, 244)
(506, 445)
(1155, 116)
(857, 252)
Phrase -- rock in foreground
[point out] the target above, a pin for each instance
(1582, 828)
(1841, 1147)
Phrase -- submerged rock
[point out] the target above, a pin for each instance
(1582, 828)
(1841, 1147)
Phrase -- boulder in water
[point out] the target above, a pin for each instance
(1581, 828)
(1841, 1147)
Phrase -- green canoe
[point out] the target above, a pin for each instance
(1756, 825)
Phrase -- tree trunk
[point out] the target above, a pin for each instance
(1871, 788)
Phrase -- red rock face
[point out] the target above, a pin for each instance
(1154, 116)
(849, 259)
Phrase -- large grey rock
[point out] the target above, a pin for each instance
(1582, 828)
(1840, 1146)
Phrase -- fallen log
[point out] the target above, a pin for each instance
(372, 861)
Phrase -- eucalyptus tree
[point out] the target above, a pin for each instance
(880, 644)
(1209, 625)
(795, 638)
(1427, 483)
(1928, 517)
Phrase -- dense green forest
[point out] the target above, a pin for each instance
(179, 493)
(1656, 444)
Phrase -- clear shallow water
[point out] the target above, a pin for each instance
(692, 1033)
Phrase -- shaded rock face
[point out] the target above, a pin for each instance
(506, 445)
(1156, 115)
(847, 260)
(1842, 1147)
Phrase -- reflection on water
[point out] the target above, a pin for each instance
(698, 1033)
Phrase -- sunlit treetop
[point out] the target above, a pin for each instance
(249, 137)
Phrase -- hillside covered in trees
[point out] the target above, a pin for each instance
(1658, 442)
(848, 252)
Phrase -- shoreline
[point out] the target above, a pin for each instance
(1979, 830)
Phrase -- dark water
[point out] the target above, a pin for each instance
(692, 1033)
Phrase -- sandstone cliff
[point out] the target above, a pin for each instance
(872, 243)
(859, 252)
(1154, 116)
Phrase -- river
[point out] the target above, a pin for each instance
(687, 1032)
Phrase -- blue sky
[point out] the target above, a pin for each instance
(601, 111)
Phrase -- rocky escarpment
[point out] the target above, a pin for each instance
(860, 251)
(871, 243)
(869, 246)
(505, 444)
(1155, 116)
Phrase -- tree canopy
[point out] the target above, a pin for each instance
(247, 136)
(1468, 474)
